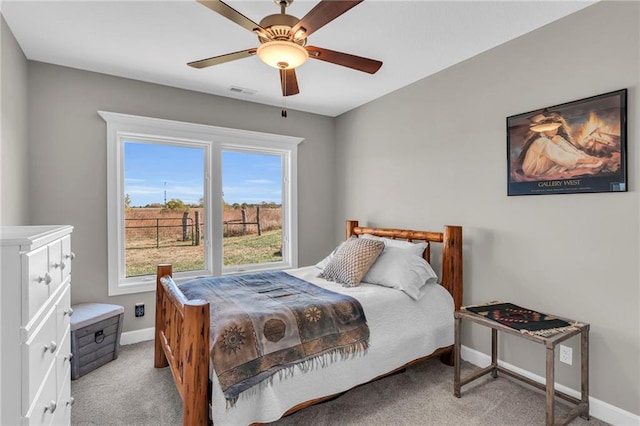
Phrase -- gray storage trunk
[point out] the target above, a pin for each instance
(95, 336)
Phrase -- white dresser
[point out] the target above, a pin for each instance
(35, 306)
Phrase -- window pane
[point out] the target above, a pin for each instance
(252, 215)
(163, 207)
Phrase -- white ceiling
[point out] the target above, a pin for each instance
(153, 40)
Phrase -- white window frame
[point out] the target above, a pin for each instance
(214, 140)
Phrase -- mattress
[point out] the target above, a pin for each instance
(401, 330)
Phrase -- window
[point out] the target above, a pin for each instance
(206, 199)
(252, 210)
(158, 229)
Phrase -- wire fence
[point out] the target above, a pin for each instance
(156, 231)
(163, 231)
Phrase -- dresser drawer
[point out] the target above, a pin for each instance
(36, 289)
(67, 257)
(43, 409)
(62, 415)
(56, 265)
(38, 354)
(63, 312)
(63, 360)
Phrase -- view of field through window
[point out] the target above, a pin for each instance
(164, 213)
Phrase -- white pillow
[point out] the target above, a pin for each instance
(416, 248)
(401, 269)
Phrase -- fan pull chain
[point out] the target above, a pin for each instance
(284, 98)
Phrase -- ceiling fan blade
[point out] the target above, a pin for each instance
(359, 63)
(221, 59)
(323, 13)
(233, 15)
(289, 82)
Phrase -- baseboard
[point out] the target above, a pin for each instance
(597, 408)
(137, 336)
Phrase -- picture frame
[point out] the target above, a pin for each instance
(575, 147)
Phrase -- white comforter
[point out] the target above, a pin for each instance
(401, 330)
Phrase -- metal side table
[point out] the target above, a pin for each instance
(550, 341)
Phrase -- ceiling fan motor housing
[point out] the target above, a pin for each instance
(279, 26)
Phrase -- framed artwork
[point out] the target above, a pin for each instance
(579, 146)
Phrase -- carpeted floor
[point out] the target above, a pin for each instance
(129, 391)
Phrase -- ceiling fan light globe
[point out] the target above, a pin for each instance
(283, 55)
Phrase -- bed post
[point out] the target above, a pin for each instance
(160, 359)
(452, 274)
(452, 263)
(195, 358)
(351, 225)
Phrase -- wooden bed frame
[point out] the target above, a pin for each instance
(182, 326)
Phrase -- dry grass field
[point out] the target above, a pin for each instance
(154, 235)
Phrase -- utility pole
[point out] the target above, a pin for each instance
(165, 192)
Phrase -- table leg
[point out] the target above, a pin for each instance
(494, 352)
(456, 358)
(550, 384)
(584, 366)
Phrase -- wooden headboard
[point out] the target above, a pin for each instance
(451, 240)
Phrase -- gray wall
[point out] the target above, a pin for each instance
(13, 147)
(433, 153)
(68, 163)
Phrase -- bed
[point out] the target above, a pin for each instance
(182, 336)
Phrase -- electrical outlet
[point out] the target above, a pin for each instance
(139, 309)
(566, 354)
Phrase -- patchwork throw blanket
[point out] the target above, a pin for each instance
(265, 322)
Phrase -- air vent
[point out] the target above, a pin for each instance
(242, 90)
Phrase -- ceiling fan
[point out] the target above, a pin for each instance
(283, 40)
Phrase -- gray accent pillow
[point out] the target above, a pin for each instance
(352, 260)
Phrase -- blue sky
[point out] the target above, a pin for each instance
(152, 169)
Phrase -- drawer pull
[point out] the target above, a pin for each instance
(70, 256)
(46, 278)
(68, 312)
(51, 347)
(60, 265)
(71, 401)
(68, 357)
(50, 407)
